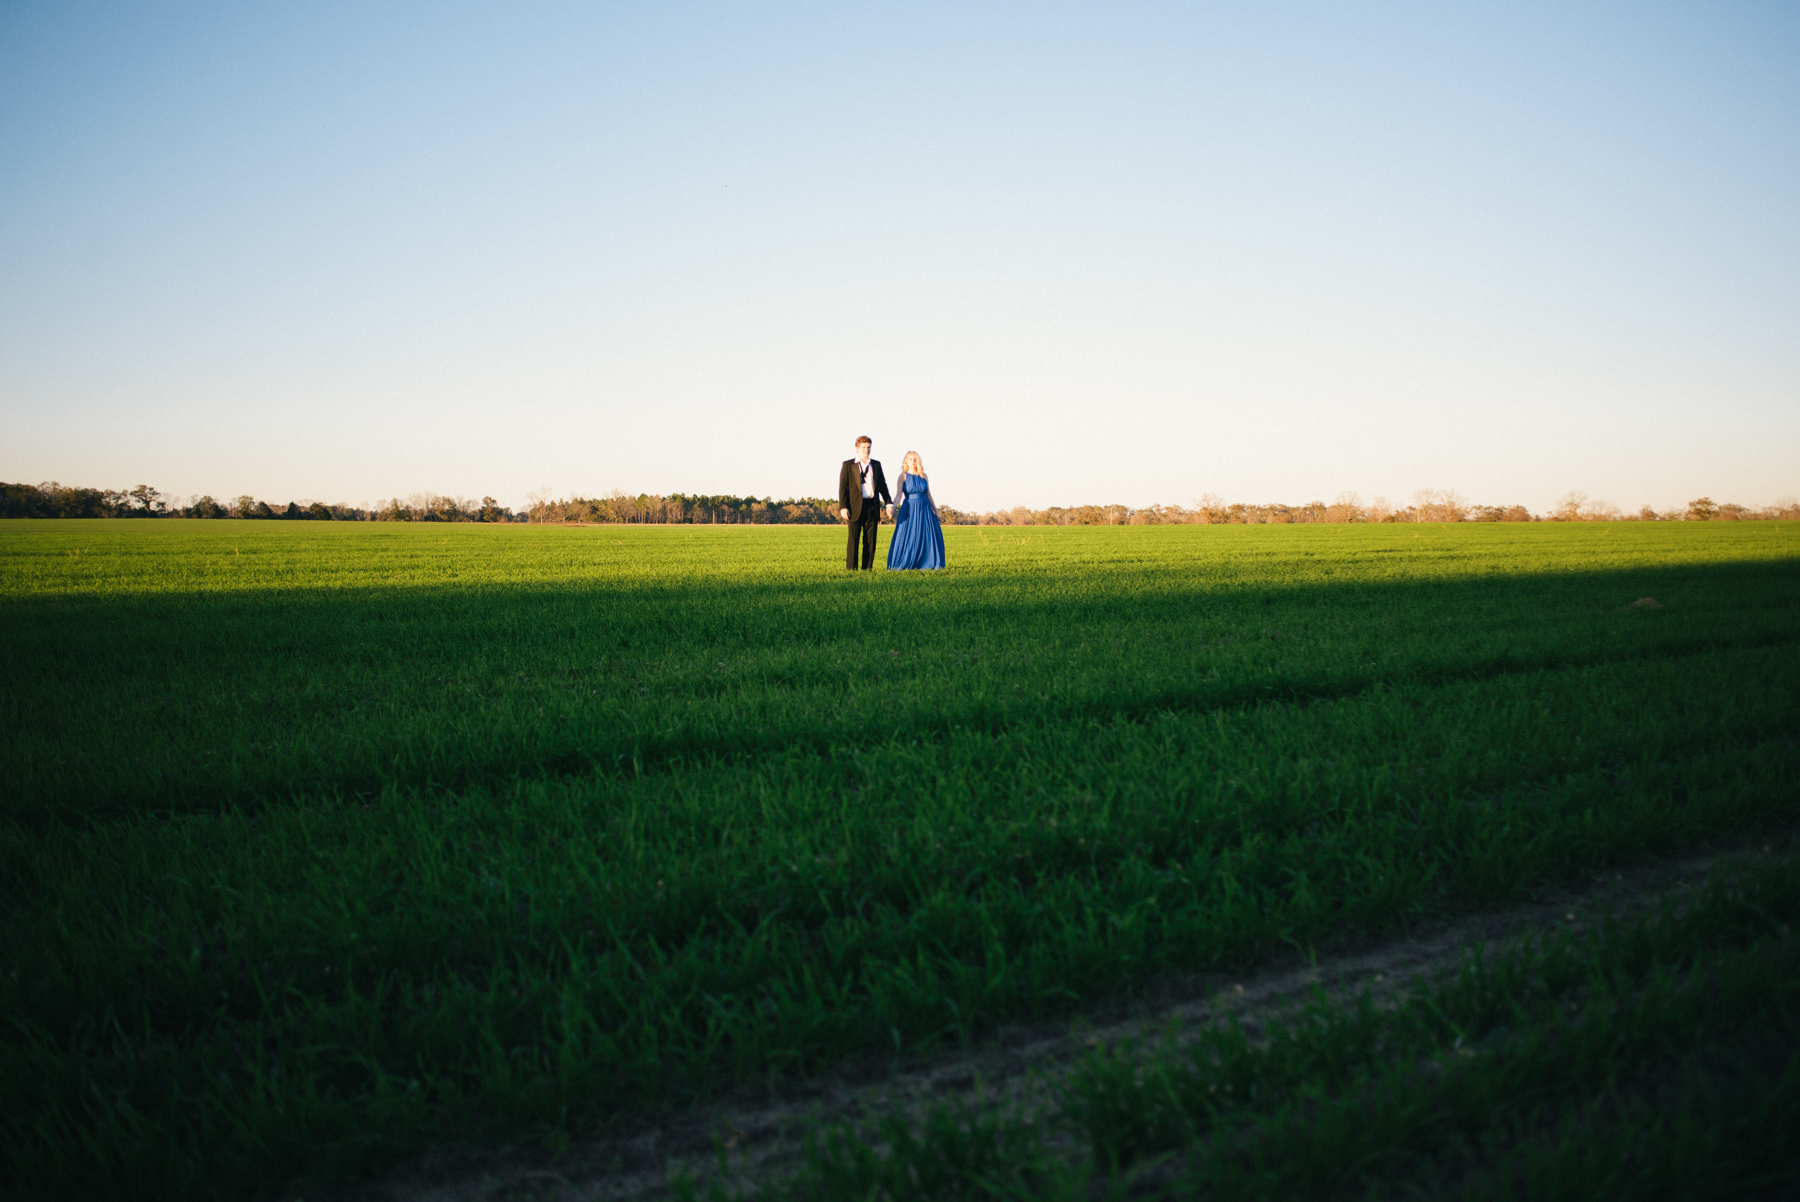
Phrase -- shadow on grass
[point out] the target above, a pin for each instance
(165, 704)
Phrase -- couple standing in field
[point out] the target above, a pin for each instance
(918, 541)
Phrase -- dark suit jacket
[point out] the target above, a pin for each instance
(850, 487)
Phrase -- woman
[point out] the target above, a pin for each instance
(918, 540)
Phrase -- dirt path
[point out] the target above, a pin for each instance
(1018, 1067)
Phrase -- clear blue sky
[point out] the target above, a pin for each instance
(1070, 253)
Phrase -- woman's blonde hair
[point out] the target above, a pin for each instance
(912, 465)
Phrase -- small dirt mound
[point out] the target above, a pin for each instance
(1645, 603)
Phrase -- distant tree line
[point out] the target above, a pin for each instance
(431, 507)
(53, 500)
(684, 510)
(1428, 505)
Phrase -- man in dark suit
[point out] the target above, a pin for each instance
(862, 490)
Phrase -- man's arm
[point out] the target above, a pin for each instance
(844, 491)
(881, 489)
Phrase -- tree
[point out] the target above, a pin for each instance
(1211, 508)
(148, 500)
(1569, 509)
(318, 511)
(1702, 509)
(81, 502)
(1440, 505)
(25, 501)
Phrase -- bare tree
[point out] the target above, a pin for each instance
(1212, 509)
(1570, 508)
(1347, 508)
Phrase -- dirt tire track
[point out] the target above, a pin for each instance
(763, 1129)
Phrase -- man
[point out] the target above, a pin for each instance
(861, 490)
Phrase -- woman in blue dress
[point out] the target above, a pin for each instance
(918, 540)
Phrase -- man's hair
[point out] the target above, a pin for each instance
(865, 439)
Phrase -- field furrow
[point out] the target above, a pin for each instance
(1052, 1091)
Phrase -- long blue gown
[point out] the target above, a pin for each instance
(918, 540)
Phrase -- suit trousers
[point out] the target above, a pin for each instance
(862, 529)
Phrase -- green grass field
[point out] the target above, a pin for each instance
(328, 843)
